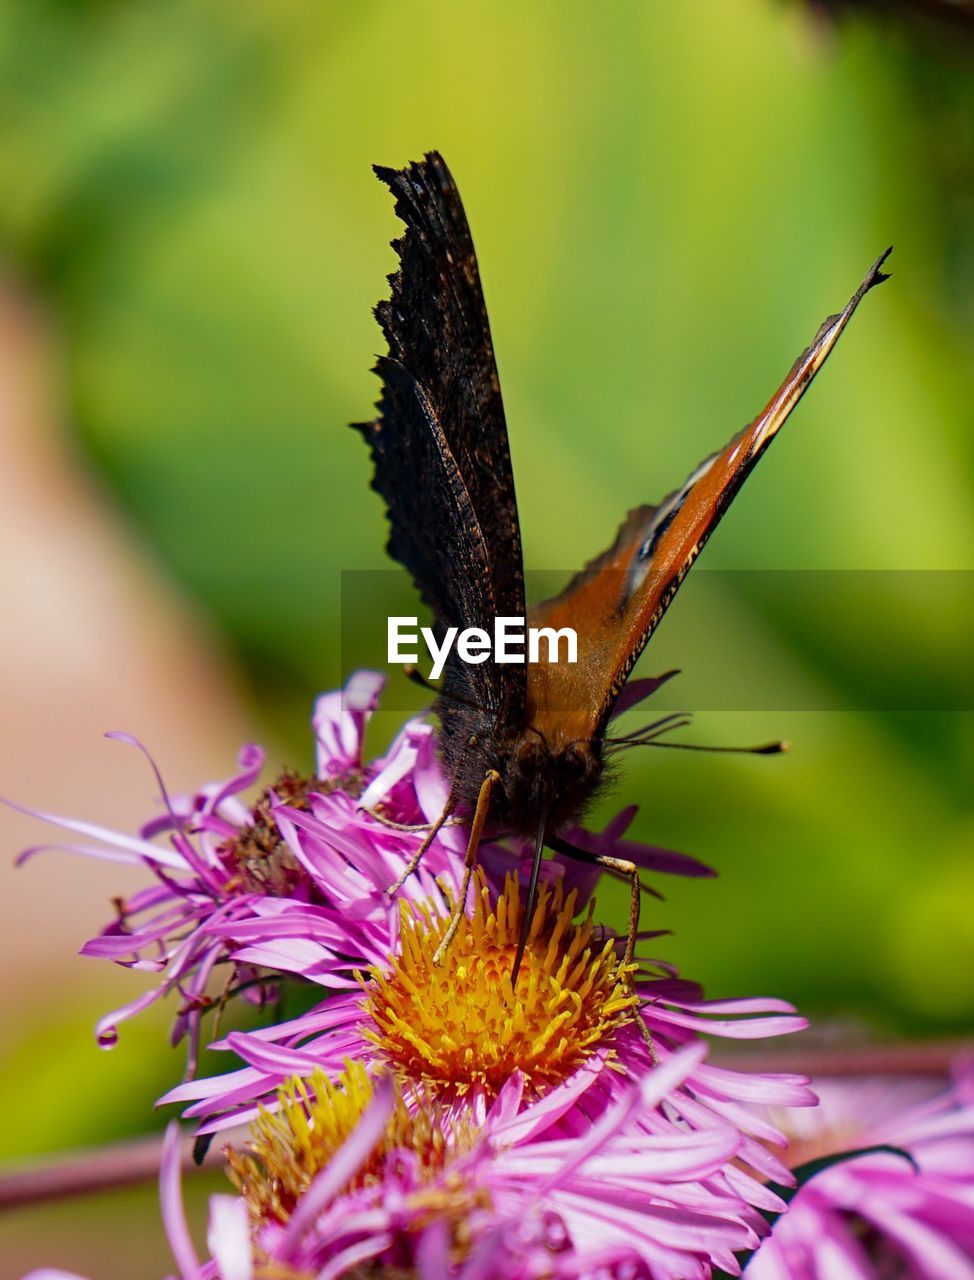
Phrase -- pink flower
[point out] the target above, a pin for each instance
(878, 1216)
(296, 884)
(513, 1197)
(569, 1129)
(450, 1032)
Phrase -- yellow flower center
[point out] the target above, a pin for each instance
(290, 1146)
(458, 1025)
(315, 1117)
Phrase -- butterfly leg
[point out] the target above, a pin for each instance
(391, 823)
(428, 839)
(629, 869)
(622, 868)
(631, 873)
(470, 861)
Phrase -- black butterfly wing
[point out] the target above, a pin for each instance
(439, 442)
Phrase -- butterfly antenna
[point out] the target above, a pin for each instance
(765, 749)
(652, 735)
(532, 897)
(648, 732)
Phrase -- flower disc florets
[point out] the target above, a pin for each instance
(258, 858)
(459, 1025)
(415, 1155)
(315, 1118)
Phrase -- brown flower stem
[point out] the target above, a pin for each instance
(899, 1058)
(82, 1173)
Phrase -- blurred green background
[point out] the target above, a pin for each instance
(666, 200)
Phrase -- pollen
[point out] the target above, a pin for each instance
(458, 1026)
(314, 1119)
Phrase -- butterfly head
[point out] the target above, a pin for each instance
(549, 765)
(553, 776)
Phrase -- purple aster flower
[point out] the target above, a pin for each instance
(452, 1033)
(296, 883)
(877, 1217)
(347, 1179)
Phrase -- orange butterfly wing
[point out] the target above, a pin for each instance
(616, 602)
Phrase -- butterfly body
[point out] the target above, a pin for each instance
(523, 746)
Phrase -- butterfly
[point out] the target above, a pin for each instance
(523, 745)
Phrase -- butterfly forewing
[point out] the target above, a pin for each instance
(439, 442)
(617, 601)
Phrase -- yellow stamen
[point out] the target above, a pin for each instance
(458, 1025)
(315, 1117)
